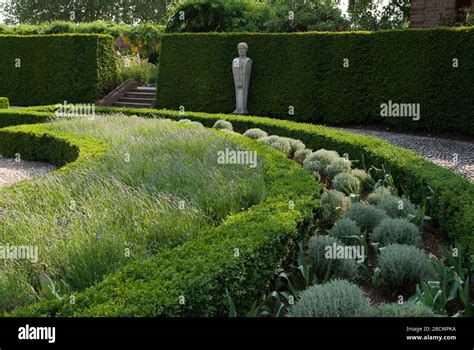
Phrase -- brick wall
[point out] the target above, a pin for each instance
(430, 13)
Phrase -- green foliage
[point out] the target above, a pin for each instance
(292, 71)
(53, 69)
(371, 15)
(308, 16)
(133, 68)
(326, 268)
(320, 161)
(12, 117)
(4, 103)
(339, 166)
(280, 143)
(337, 298)
(399, 231)
(345, 230)
(133, 11)
(396, 207)
(452, 206)
(408, 309)
(364, 178)
(346, 183)
(255, 134)
(381, 192)
(367, 216)
(218, 16)
(301, 155)
(403, 266)
(223, 125)
(295, 146)
(335, 205)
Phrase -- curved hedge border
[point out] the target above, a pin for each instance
(454, 202)
(12, 117)
(203, 268)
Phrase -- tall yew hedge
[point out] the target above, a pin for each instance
(306, 71)
(49, 69)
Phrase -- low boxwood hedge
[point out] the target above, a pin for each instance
(241, 255)
(11, 117)
(453, 206)
(4, 104)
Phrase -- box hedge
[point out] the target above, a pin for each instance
(47, 69)
(453, 206)
(191, 280)
(4, 103)
(306, 71)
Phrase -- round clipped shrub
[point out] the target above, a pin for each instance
(301, 155)
(4, 103)
(319, 161)
(223, 124)
(396, 207)
(404, 266)
(182, 121)
(346, 183)
(366, 216)
(198, 124)
(339, 166)
(296, 145)
(399, 231)
(407, 309)
(335, 205)
(336, 298)
(376, 196)
(231, 132)
(255, 134)
(280, 143)
(326, 264)
(345, 228)
(365, 179)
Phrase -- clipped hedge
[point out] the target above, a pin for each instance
(36, 142)
(306, 71)
(201, 270)
(12, 117)
(4, 103)
(76, 68)
(453, 205)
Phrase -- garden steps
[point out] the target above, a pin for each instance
(129, 94)
(139, 97)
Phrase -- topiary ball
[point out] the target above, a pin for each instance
(345, 228)
(325, 264)
(404, 266)
(396, 207)
(319, 161)
(337, 298)
(400, 231)
(301, 155)
(337, 167)
(277, 142)
(335, 205)
(407, 309)
(255, 134)
(375, 197)
(223, 124)
(346, 183)
(367, 216)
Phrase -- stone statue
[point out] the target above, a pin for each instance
(242, 68)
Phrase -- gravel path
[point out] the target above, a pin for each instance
(12, 172)
(455, 155)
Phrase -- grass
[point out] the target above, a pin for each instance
(158, 187)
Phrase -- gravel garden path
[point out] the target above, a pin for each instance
(452, 154)
(12, 172)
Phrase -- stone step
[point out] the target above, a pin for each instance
(139, 95)
(137, 100)
(133, 105)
